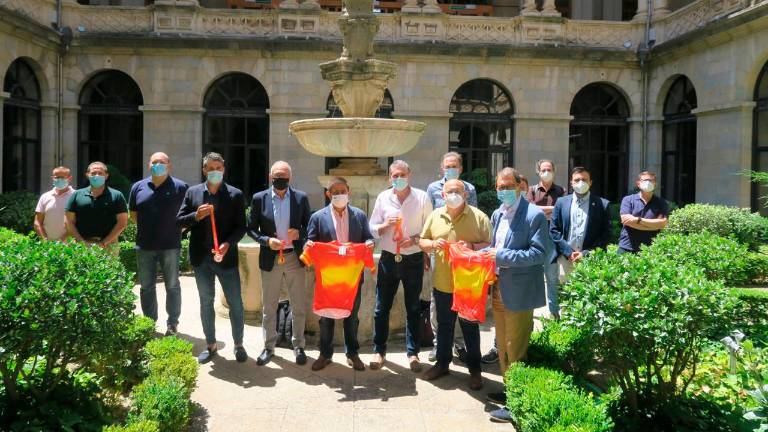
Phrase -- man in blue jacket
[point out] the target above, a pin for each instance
(521, 246)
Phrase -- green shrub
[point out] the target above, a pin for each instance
(138, 426)
(751, 314)
(63, 302)
(720, 258)
(745, 227)
(17, 211)
(561, 347)
(182, 366)
(164, 400)
(121, 365)
(184, 264)
(648, 318)
(129, 233)
(7, 237)
(166, 347)
(757, 268)
(542, 400)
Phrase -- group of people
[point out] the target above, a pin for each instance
(534, 238)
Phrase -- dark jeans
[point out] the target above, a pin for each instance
(147, 261)
(351, 345)
(410, 271)
(229, 278)
(446, 320)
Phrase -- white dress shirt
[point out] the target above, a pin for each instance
(579, 213)
(414, 210)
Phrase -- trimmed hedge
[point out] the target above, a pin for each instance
(139, 426)
(751, 315)
(720, 258)
(544, 400)
(748, 228)
(172, 357)
(122, 366)
(561, 347)
(17, 211)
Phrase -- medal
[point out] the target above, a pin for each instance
(280, 255)
(217, 256)
(398, 257)
(397, 237)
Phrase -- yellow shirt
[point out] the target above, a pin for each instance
(471, 225)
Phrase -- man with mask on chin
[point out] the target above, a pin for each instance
(461, 223)
(97, 214)
(208, 204)
(278, 221)
(643, 215)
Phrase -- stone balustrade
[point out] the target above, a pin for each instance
(531, 29)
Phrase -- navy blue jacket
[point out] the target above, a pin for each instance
(598, 225)
(261, 224)
(321, 226)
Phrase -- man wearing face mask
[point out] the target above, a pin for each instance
(397, 219)
(154, 203)
(580, 222)
(643, 215)
(97, 214)
(451, 166)
(50, 221)
(278, 221)
(344, 223)
(208, 204)
(461, 223)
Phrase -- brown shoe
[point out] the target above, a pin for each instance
(377, 362)
(413, 361)
(435, 372)
(475, 381)
(356, 363)
(320, 363)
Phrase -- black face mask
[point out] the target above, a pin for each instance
(280, 183)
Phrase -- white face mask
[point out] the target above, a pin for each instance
(340, 201)
(647, 186)
(581, 187)
(453, 200)
(546, 176)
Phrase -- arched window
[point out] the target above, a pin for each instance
(678, 165)
(111, 127)
(481, 126)
(599, 137)
(236, 125)
(21, 129)
(760, 141)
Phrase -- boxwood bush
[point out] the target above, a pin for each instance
(172, 357)
(161, 399)
(648, 318)
(544, 400)
(17, 211)
(741, 225)
(561, 347)
(751, 314)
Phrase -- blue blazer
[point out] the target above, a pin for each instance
(261, 224)
(598, 225)
(520, 261)
(321, 226)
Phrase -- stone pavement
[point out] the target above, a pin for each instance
(283, 396)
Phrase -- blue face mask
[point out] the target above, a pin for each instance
(97, 180)
(507, 197)
(451, 173)
(400, 183)
(60, 183)
(215, 177)
(159, 170)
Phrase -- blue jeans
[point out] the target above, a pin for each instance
(552, 274)
(229, 278)
(351, 345)
(446, 320)
(147, 261)
(390, 273)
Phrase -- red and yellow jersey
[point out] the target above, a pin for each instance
(472, 272)
(338, 269)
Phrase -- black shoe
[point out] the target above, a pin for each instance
(207, 355)
(265, 357)
(461, 353)
(492, 356)
(497, 398)
(171, 330)
(301, 358)
(501, 415)
(240, 355)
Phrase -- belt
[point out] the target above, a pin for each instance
(286, 251)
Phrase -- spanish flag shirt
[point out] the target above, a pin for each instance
(472, 273)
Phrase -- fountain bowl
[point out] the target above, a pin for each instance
(357, 136)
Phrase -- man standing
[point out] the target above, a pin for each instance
(278, 221)
(521, 246)
(456, 222)
(97, 214)
(50, 221)
(643, 214)
(580, 223)
(397, 219)
(154, 203)
(344, 223)
(451, 165)
(208, 204)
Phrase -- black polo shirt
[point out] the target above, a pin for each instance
(96, 216)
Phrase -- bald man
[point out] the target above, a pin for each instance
(154, 203)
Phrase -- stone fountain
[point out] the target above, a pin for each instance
(358, 82)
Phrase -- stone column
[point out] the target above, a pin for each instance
(660, 8)
(69, 140)
(642, 11)
(529, 8)
(412, 6)
(3, 97)
(549, 8)
(48, 142)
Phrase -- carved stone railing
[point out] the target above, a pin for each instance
(694, 16)
(604, 34)
(41, 11)
(113, 19)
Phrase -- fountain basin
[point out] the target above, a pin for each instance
(357, 136)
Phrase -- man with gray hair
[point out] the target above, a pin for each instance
(397, 219)
(278, 222)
